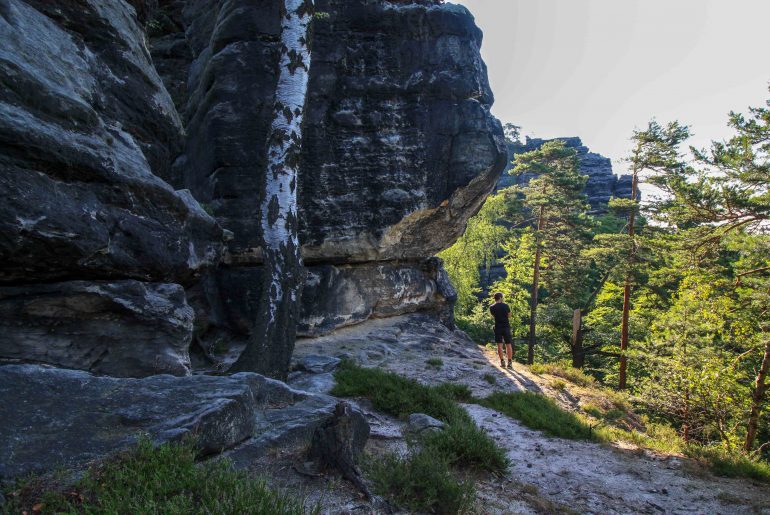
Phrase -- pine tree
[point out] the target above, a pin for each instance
(558, 206)
(656, 150)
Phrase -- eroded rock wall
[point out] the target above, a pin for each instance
(87, 129)
(132, 153)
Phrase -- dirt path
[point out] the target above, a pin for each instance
(547, 474)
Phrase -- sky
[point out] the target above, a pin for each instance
(597, 69)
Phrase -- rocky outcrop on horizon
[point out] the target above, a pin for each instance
(602, 183)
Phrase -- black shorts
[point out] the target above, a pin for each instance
(503, 334)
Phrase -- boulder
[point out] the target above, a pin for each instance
(317, 364)
(120, 328)
(399, 146)
(53, 418)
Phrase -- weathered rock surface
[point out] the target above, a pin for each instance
(64, 418)
(104, 180)
(399, 146)
(601, 185)
(119, 328)
(420, 422)
(54, 417)
(86, 131)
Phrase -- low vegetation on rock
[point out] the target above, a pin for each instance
(147, 479)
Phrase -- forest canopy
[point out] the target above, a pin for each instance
(668, 298)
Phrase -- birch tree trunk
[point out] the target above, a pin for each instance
(272, 341)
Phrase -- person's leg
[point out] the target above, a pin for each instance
(509, 347)
(499, 341)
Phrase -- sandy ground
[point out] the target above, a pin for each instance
(547, 475)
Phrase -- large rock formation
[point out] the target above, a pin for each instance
(131, 178)
(399, 150)
(65, 418)
(602, 183)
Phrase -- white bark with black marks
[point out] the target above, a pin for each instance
(271, 344)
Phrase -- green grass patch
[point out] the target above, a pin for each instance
(455, 391)
(565, 371)
(435, 362)
(421, 482)
(147, 479)
(539, 412)
(396, 395)
(730, 463)
(489, 378)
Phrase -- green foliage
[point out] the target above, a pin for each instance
(163, 479)
(467, 446)
(435, 362)
(396, 395)
(476, 249)
(489, 378)
(461, 441)
(421, 482)
(728, 463)
(539, 412)
(564, 370)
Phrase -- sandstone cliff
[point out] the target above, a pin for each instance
(132, 146)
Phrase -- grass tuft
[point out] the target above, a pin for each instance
(164, 479)
(422, 482)
(539, 412)
(489, 378)
(730, 464)
(435, 362)
(565, 371)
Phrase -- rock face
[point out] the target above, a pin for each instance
(601, 185)
(119, 328)
(399, 150)
(86, 131)
(130, 174)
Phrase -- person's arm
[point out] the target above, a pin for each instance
(508, 314)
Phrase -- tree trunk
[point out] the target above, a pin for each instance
(535, 286)
(757, 396)
(627, 285)
(578, 354)
(272, 340)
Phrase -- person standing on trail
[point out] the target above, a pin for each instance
(502, 313)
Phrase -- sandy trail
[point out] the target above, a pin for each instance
(547, 475)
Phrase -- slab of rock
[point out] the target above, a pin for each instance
(420, 422)
(120, 328)
(317, 364)
(53, 418)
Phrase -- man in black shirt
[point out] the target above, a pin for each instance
(502, 313)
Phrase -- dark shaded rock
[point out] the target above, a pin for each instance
(338, 296)
(119, 328)
(338, 443)
(86, 131)
(53, 418)
(399, 147)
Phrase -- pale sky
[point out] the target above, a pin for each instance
(599, 68)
